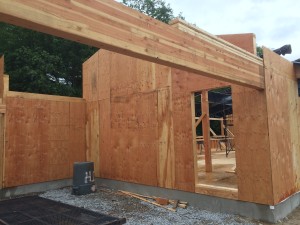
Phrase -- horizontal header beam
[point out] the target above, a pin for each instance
(110, 25)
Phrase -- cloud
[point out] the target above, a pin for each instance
(273, 21)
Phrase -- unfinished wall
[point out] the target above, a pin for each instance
(44, 136)
(122, 117)
(252, 145)
(183, 84)
(283, 120)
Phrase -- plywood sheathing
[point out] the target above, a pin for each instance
(282, 104)
(51, 139)
(245, 41)
(183, 84)
(110, 25)
(251, 139)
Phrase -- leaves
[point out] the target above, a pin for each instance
(157, 9)
(41, 63)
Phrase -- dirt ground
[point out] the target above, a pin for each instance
(138, 212)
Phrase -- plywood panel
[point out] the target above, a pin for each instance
(90, 78)
(189, 82)
(40, 143)
(106, 157)
(282, 110)
(130, 75)
(252, 145)
(77, 145)
(244, 41)
(163, 77)
(166, 154)
(183, 142)
(104, 74)
(134, 138)
(93, 136)
(110, 25)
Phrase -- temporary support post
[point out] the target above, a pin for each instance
(206, 131)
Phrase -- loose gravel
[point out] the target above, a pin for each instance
(137, 212)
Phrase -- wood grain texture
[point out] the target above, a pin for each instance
(2, 122)
(244, 41)
(251, 135)
(106, 157)
(166, 154)
(282, 104)
(44, 150)
(110, 25)
(206, 130)
(1, 75)
(90, 79)
(92, 135)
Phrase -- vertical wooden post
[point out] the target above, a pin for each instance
(194, 138)
(1, 124)
(206, 131)
(222, 126)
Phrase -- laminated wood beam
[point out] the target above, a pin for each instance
(110, 25)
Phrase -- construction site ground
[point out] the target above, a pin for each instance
(138, 212)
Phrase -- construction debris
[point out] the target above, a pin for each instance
(145, 200)
(158, 201)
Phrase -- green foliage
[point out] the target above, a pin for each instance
(157, 9)
(41, 63)
(259, 51)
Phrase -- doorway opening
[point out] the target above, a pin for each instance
(214, 146)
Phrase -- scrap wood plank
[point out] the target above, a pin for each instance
(110, 25)
(145, 200)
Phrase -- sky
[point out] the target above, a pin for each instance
(274, 22)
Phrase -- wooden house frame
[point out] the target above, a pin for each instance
(135, 120)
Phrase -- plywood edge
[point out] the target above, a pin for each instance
(212, 190)
(16, 94)
(277, 64)
(194, 138)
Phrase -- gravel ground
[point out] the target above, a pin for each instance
(138, 212)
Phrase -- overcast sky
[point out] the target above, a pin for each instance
(274, 22)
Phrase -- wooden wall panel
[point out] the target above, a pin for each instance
(244, 41)
(39, 141)
(92, 135)
(166, 153)
(183, 142)
(77, 133)
(282, 110)
(90, 78)
(134, 138)
(252, 145)
(106, 158)
(183, 84)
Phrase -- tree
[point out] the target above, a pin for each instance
(259, 51)
(41, 63)
(158, 9)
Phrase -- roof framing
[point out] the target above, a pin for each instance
(110, 25)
